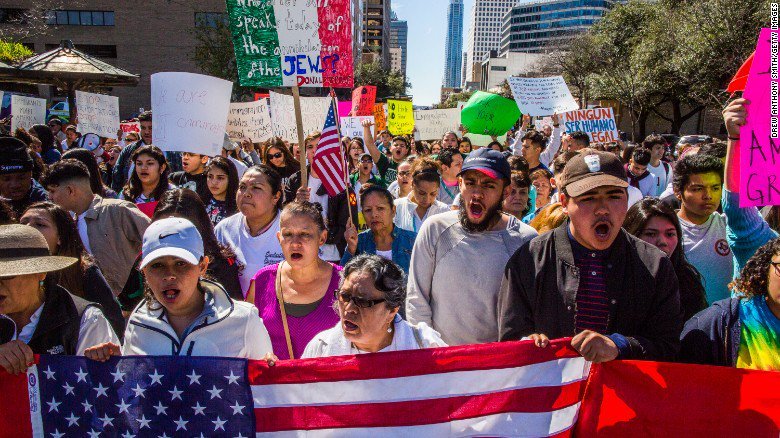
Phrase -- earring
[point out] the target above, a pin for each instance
(390, 328)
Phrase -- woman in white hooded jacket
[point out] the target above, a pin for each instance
(183, 314)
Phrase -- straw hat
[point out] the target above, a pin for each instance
(23, 250)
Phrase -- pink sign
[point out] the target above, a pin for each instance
(345, 108)
(759, 152)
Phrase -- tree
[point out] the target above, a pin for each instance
(453, 99)
(33, 21)
(388, 83)
(11, 53)
(575, 63)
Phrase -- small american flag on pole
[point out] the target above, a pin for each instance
(329, 158)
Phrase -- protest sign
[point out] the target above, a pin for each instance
(759, 143)
(539, 124)
(380, 116)
(190, 112)
(432, 124)
(249, 119)
(489, 114)
(313, 112)
(598, 123)
(284, 43)
(345, 108)
(352, 126)
(400, 117)
(484, 140)
(363, 100)
(130, 127)
(97, 113)
(542, 96)
(27, 111)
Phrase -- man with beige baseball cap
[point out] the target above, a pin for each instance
(617, 296)
(37, 316)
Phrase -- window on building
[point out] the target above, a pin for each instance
(80, 18)
(497, 68)
(210, 19)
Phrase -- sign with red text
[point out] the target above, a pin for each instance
(97, 113)
(130, 127)
(380, 116)
(759, 164)
(363, 100)
(598, 123)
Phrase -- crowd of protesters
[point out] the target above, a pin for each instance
(111, 246)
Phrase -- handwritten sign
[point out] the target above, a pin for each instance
(380, 116)
(352, 126)
(289, 43)
(363, 100)
(539, 124)
(130, 127)
(27, 111)
(250, 119)
(400, 117)
(432, 124)
(97, 113)
(313, 112)
(542, 96)
(760, 157)
(190, 112)
(489, 114)
(598, 123)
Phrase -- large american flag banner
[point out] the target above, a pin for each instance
(509, 389)
(329, 157)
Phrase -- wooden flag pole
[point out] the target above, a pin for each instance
(344, 158)
(299, 123)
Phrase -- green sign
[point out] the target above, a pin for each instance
(489, 114)
(256, 42)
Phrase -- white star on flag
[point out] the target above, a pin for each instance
(156, 378)
(106, 420)
(122, 406)
(118, 376)
(194, 378)
(57, 434)
(49, 373)
(101, 390)
(214, 392)
(139, 392)
(237, 408)
(54, 405)
(73, 419)
(198, 409)
(232, 378)
(181, 423)
(68, 389)
(82, 376)
(219, 423)
(176, 393)
(160, 408)
(143, 422)
(87, 406)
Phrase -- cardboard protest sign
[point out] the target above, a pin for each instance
(130, 127)
(759, 144)
(352, 126)
(542, 96)
(249, 119)
(380, 116)
(598, 123)
(313, 112)
(27, 111)
(400, 117)
(190, 112)
(97, 113)
(489, 114)
(363, 100)
(292, 43)
(345, 108)
(432, 124)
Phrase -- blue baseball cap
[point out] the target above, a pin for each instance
(491, 163)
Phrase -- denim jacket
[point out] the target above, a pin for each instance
(403, 242)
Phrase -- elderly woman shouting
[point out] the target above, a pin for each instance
(371, 292)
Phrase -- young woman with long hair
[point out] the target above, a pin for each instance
(149, 180)
(279, 158)
(222, 181)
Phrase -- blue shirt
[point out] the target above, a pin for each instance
(403, 242)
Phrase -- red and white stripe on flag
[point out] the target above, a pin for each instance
(329, 158)
(504, 389)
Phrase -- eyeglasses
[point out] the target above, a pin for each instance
(363, 303)
(366, 160)
(276, 155)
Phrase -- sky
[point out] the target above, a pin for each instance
(427, 21)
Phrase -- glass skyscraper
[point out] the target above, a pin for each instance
(399, 31)
(454, 45)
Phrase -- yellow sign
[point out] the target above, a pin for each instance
(400, 117)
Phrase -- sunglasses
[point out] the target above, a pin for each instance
(363, 303)
(276, 155)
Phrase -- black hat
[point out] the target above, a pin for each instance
(491, 163)
(14, 157)
(592, 169)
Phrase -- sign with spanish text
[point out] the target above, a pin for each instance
(313, 113)
(27, 111)
(759, 165)
(190, 112)
(251, 120)
(97, 113)
(380, 116)
(363, 100)
(292, 43)
(542, 96)
(400, 117)
(432, 124)
(352, 127)
(598, 123)
(130, 127)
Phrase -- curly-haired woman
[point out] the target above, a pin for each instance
(742, 332)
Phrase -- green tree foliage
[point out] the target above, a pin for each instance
(453, 99)
(11, 53)
(388, 83)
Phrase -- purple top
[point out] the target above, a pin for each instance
(302, 330)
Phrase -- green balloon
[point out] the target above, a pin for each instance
(489, 114)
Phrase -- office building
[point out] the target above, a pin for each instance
(496, 68)
(399, 33)
(376, 32)
(484, 33)
(454, 45)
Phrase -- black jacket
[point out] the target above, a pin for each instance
(539, 294)
(712, 336)
(97, 290)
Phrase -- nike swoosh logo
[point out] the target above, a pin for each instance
(163, 236)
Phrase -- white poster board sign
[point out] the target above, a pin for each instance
(542, 96)
(432, 124)
(313, 112)
(27, 111)
(539, 124)
(352, 126)
(190, 112)
(250, 119)
(598, 123)
(97, 113)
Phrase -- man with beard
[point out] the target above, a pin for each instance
(458, 257)
(617, 296)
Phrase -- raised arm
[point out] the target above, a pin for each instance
(368, 140)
